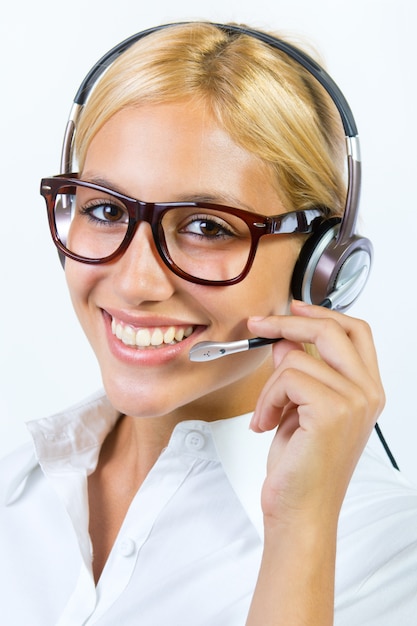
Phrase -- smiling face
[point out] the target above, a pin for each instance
(167, 153)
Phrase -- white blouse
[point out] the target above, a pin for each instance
(189, 549)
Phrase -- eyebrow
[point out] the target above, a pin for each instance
(208, 197)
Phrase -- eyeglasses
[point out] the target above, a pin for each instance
(203, 243)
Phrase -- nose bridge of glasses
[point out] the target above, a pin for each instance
(140, 212)
(144, 212)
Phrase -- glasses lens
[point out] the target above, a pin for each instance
(90, 223)
(208, 244)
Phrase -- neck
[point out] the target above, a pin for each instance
(135, 443)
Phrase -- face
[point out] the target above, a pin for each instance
(167, 153)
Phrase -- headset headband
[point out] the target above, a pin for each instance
(301, 57)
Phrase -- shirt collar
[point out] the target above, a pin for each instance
(243, 455)
(71, 440)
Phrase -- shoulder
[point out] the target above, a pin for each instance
(377, 546)
(57, 439)
(14, 470)
(377, 486)
(379, 499)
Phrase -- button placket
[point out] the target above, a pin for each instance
(127, 547)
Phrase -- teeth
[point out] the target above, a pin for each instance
(157, 337)
(129, 336)
(179, 334)
(145, 337)
(169, 335)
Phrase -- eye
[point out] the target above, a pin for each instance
(208, 226)
(105, 212)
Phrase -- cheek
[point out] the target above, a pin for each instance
(265, 290)
(81, 280)
(270, 278)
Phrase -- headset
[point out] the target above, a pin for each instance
(334, 263)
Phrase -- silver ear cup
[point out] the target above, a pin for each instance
(326, 266)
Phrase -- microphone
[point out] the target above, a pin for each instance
(211, 350)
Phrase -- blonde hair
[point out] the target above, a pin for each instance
(268, 104)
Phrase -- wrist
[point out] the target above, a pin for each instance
(303, 527)
(296, 578)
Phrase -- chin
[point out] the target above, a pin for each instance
(138, 401)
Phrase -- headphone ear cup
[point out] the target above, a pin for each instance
(326, 266)
(309, 257)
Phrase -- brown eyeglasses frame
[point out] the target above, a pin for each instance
(152, 212)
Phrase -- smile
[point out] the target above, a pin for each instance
(149, 337)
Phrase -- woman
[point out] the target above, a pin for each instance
(150, 504)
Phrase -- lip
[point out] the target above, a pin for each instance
(152, 355)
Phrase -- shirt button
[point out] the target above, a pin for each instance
(194, 440)
(127, 547)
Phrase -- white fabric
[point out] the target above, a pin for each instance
(189, 549)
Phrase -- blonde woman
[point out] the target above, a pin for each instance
(171, 497)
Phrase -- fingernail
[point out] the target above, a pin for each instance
(300, 303)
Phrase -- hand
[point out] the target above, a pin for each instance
(325, 409)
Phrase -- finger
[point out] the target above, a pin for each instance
(319, 393)
(322, 372)
(340, 341)
(359, 391)
(357, 330)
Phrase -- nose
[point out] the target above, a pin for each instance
(140, 273)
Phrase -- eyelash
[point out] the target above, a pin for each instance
(88, 208)
(227, 232)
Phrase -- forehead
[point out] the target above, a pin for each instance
(165, 152)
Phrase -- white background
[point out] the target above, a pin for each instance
(47, 47)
